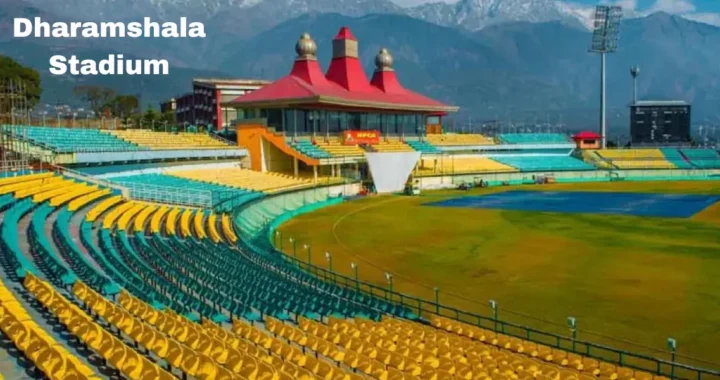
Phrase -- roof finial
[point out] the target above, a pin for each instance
(306, 47)
(383, 60)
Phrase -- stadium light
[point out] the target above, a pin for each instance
(605, 40)
(357, 278)
(672, 346)
(437, 300)
(278, 236)
(308, 248)
(572, 323)
(328, 256)
(493, 306)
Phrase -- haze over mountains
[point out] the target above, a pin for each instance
(519, 59)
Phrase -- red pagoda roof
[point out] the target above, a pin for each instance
(345, 85)
(586, 135)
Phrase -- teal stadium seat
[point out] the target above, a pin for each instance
(423, 146)
(307, 148)
(70, 140)
(543, 163)
(676, 158)
(220, 194)
(703, 158)
(533, 138)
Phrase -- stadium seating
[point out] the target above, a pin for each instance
(69, 140)
(702, 158)
(676, 158)
(245, 179)
(454, 139)
(543, 163)
(166, 140)
(124, 358)
(449, 165)
(39, 347)
(636, 158)
(423, 146)
(533, 138)
(308, 148)
(184, 190)
(335, 147)
(392, 146)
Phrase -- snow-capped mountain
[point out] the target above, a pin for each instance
(477, 14)
(253, 16)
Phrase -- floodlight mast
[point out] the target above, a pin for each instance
(605, 40)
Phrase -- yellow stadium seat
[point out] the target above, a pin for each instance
(171, 221)
(103, 206)
(198, 224)
(228, 229)
(78, 191)
(185, 223)
(141, 219)
(451, 139)
(451, 164)
(167, 141)
(116, 213)
(212, 228)
(24, 178)
(124, 219)
(19, 187)
(246, 179)
(76, 204)
(636, 158)
(155, 222)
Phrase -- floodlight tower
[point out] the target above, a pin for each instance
(634, 72)
(604, 41)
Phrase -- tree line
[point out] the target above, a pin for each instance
(106, 103)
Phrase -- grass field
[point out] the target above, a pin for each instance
(625, 278)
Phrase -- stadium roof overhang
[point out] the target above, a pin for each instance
(337, 103)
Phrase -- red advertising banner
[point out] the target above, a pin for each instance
(361, 137)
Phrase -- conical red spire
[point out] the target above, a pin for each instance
(345, 69)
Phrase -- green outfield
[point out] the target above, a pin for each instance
(625, 278)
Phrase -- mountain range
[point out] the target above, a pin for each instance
(521, 59)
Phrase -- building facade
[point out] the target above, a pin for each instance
(660, 122)
(203, 106)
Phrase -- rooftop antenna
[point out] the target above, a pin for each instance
(634, 72)
(604, 41)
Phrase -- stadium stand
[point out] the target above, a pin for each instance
(636, 158)
(70, 140)
(183, 190)
(532, 138)
(392, 146)
(335, 147)
(543, 163)
(702, 158)
(166, 140)
(676, 158)
(461, 165)
(454, 139)
(245, 179)
(116, 353)
(39, 347)
(423, 146)
(308, 148)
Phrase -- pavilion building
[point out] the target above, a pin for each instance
(329, 119)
